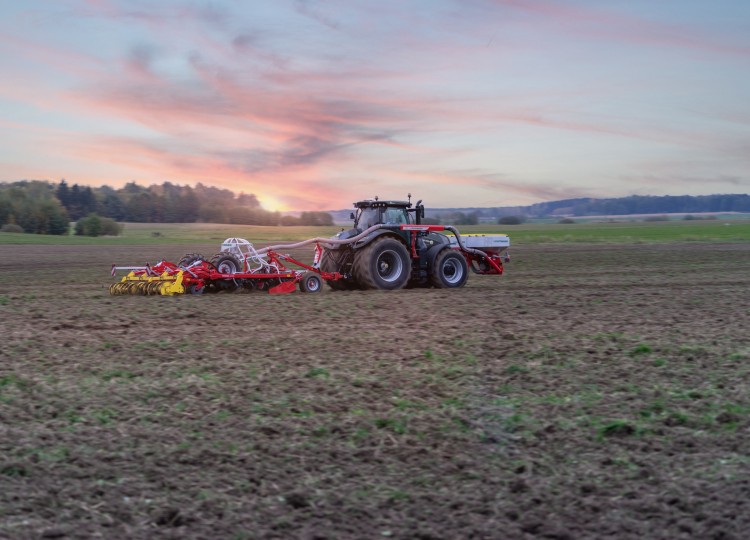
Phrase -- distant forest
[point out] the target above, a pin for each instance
(45, 208)
(636, 204)
(35, 206)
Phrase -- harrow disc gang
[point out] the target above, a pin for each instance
(141, 285)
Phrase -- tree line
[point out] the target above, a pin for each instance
(668, 204)
(45, 208)
(635, 204)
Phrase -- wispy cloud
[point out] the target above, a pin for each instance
(612, 24)
(308, 8)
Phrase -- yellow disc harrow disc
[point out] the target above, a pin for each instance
(145, 286)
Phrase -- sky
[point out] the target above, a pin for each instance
(311, 105)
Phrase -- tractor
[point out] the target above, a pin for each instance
(392, 249)
(388, 248)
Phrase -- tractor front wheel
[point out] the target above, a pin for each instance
(382, 264)
(450, 270)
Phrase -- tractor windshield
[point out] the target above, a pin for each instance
(395, 215)
(368, 216)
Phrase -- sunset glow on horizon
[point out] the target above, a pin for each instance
(311, 105)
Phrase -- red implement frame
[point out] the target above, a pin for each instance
(203, 273)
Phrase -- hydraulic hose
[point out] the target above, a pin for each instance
(338, 242)
(326, 240)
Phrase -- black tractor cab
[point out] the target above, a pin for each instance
(375, 212)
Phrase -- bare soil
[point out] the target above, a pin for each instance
(590, 392)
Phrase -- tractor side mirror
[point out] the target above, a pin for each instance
(351, 216)
(420, 209)
(419, 213)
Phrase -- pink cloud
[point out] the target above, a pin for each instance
(157, 163)
(297, 141)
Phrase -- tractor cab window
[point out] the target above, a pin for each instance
(367, 217)
(395, 215)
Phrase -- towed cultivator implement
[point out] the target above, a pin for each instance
(237, 266)
(388, 248)
(147, 280)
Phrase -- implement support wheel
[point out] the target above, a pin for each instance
(226, 263)
(310, 283)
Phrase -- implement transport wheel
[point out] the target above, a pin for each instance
(310, 283)
(190, 258)
(332, 261)
(382, 264)
(226, 263)
(450, 270)
(196, 289)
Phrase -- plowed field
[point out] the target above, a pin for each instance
(592, 391)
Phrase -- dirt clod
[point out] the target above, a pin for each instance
(169, 517)
(297, 500)
(54, 532)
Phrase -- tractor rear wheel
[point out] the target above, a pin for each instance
(382, 264)
(450, 270)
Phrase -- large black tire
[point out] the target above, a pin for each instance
(331, 261)
(450, 270)
(226, 263)
(382, 264)
(190, 258)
